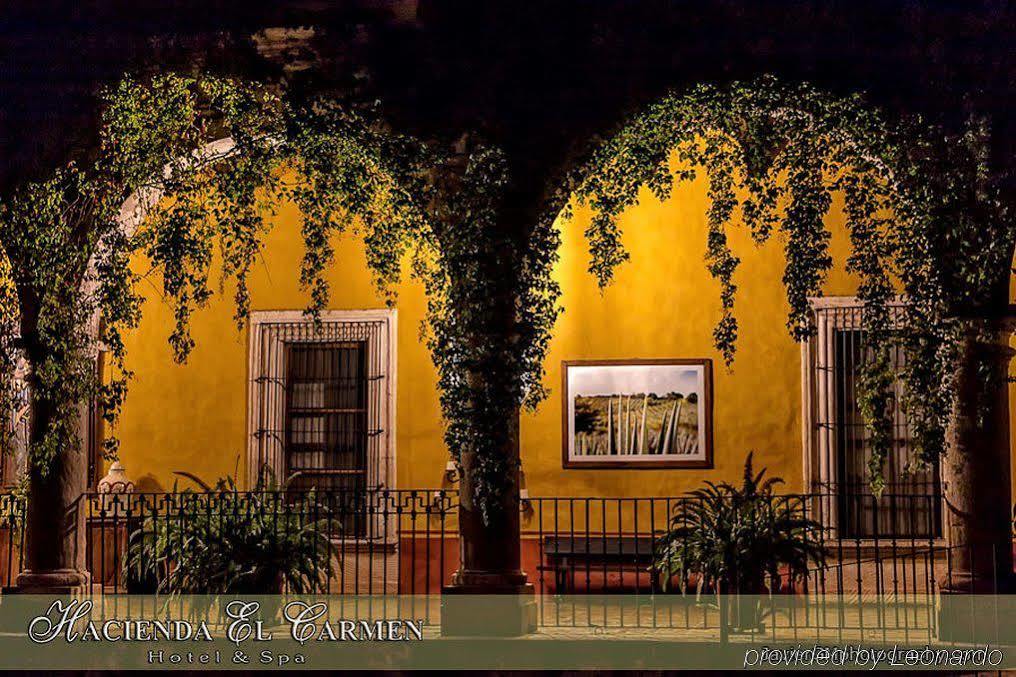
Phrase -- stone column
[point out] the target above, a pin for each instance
(54, 548)
(976, 468)
(489, 593)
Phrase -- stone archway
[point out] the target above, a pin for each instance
(54, 556)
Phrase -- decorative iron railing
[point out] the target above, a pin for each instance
(582, 549)
(580, 553)
(382, 542)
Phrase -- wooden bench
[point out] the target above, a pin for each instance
(566, 555)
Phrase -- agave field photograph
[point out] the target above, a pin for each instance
(637, 413)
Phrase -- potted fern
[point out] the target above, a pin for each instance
(227, 541)
(739, 540)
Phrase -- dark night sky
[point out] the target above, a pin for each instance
(537, 77)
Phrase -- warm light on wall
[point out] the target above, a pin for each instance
(451, 474)
(449, 479)
(525, 504)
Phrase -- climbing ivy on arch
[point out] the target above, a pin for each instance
(72, 289)
(196, 201)
(923, 209)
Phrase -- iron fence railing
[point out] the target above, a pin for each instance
(584, 549)
(591, 560)
(597, 545)
(382, 542)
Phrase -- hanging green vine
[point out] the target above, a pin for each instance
(921, 208)
(38, 223)
(70, 253)
(491, 303)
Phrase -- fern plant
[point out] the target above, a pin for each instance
(741, 540)
(227, 541)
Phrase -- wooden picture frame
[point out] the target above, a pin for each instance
(659, 435)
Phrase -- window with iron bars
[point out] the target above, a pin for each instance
(838, 444)
(321, 407)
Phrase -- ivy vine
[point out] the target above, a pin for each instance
(491, 304)
(69, 255)
(923, 209)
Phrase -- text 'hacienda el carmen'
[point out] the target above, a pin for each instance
(307, 622)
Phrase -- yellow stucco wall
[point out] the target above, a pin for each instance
(192, 417)
(663, 304)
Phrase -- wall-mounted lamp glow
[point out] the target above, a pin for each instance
(525, 504)
(451, 473)
(449, 478)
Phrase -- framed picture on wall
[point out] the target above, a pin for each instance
(638, 414)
